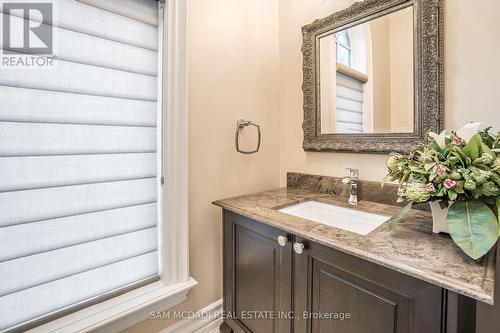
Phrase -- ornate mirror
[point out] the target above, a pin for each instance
(373, 76)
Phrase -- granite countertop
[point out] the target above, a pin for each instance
(411, 248)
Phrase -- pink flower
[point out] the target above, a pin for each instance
(439, 169)
(449, 183)
(458, 141)
(401, 191)
(430, 187)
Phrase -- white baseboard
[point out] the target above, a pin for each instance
(207, 320)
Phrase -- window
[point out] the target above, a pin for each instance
(80, 165)
(351, 83)
(349, 104)
(343, 48)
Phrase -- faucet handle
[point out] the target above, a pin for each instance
(353, 173)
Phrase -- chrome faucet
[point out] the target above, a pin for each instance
(352, 181)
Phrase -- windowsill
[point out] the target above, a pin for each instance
(122, 311)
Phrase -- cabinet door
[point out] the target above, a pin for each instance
(338, 293)
(257, 277)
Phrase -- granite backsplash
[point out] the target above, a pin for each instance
(367, 190)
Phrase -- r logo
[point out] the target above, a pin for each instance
(27, 28)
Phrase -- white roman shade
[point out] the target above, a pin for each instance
(79, 169)
(349, 105)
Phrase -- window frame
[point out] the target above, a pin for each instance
(343, 46)
(175, 282)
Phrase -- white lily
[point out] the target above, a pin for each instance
(468, 131)
(440, 139)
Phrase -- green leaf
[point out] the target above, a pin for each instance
(386, 179)
(402, 213)
(429, 166)
(475, 193)
(405, 177)
(473, 227)
(472, 148)
(488, 151)
(495, 177)
(452, 195)
(477, 162)
(458, 156)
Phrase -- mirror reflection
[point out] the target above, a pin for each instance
(366, 76)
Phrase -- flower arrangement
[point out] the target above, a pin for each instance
(460, 170)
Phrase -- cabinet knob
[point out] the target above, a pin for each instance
(282, 240)
(298, 248)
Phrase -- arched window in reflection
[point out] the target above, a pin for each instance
(367, 76)
(353, 87)
(343, 48)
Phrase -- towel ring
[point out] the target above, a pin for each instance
(241, 124)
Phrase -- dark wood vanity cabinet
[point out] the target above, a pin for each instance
(257, 277)
(376, 299)
(269, 288)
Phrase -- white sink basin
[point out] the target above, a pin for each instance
(339, 217)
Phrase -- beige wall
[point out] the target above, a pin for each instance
(381, 74)
(392, 72)
(471, 74)
(401, 37)
(328, 87)
(235, 72)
